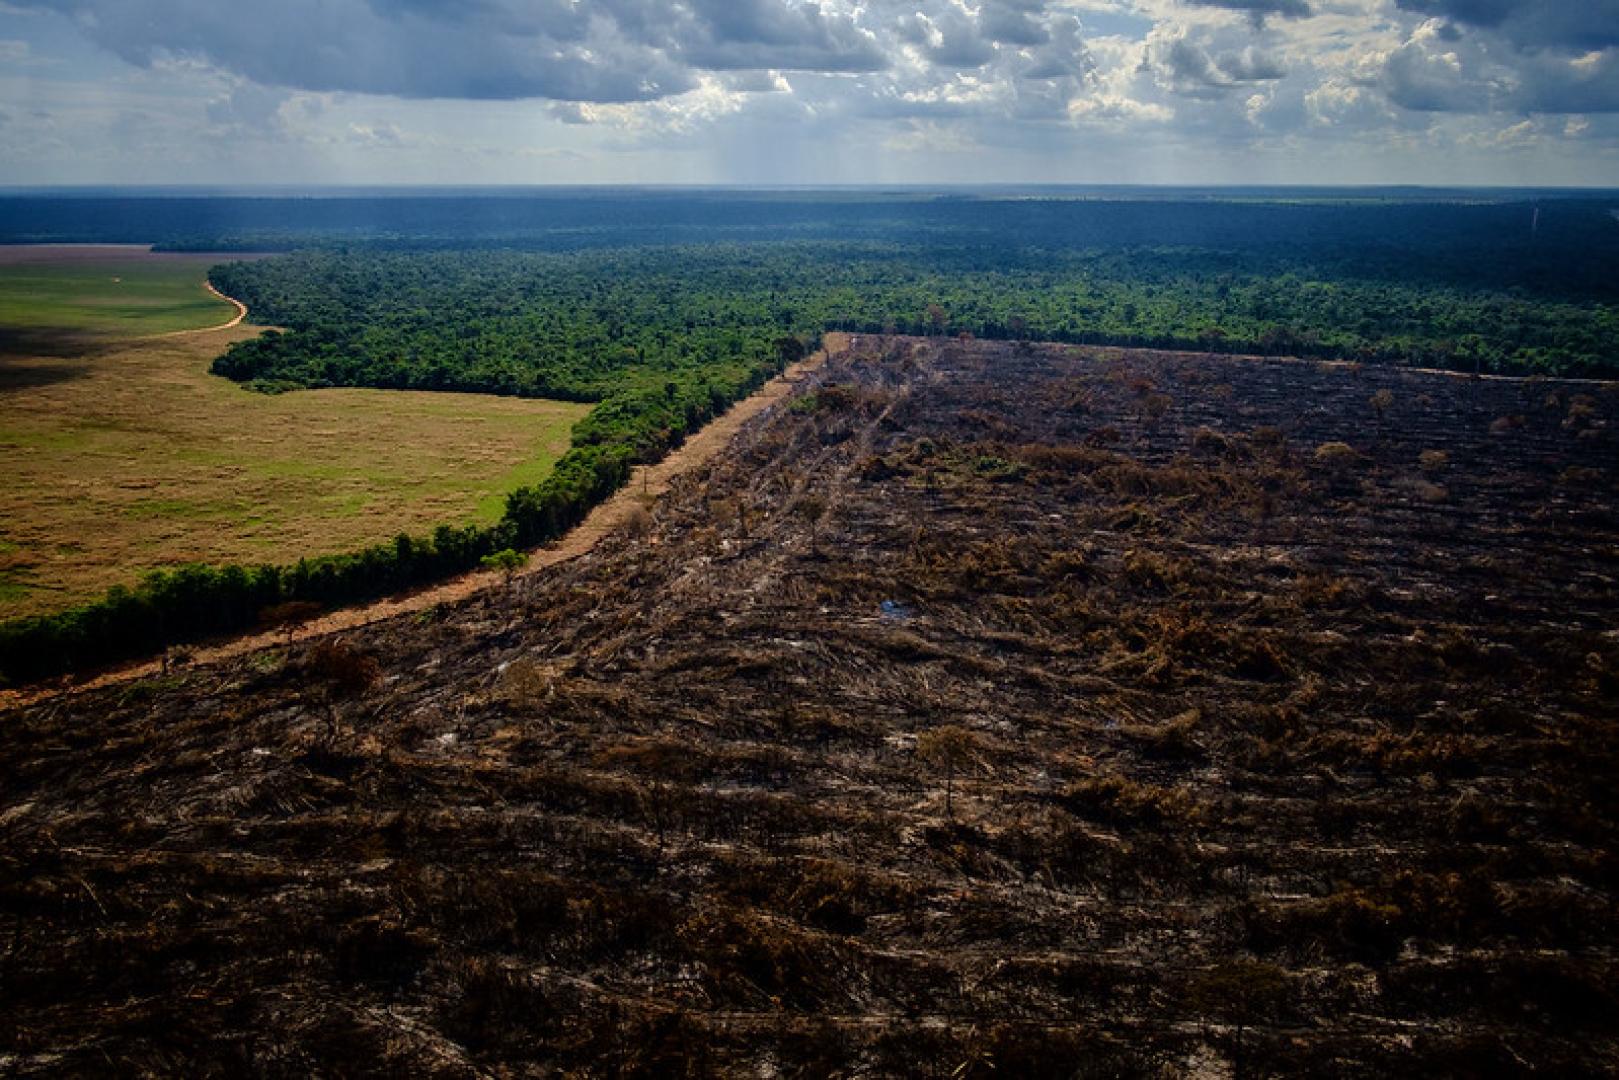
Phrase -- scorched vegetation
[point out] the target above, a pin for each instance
(993, 707)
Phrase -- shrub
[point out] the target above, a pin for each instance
(527, 682)
(1122, 801)
(344, 670)
(1210, 443)
(1349, 923)
(1337, 456)
(638, 522)
(508, 561)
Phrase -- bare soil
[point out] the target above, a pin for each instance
(1022, 710)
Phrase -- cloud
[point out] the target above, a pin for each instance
(404, 48)
(1065, 54)
(1013, 22)
(1430, 73)
(734, 35)
(1341, 103)
(249, 107)
(607, 51)
(387, 136)
(1518, 136)
(1582, 84)
(1435, 70)
(1194, 67)
(729, 80)
(1257, 10)
(1564, 24)
(950, 38)
(1114, 107)
(927, 136)
(758, 82)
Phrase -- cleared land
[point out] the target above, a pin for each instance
(124, 455)
(57, 296)
(1061, 710)
(624, 508)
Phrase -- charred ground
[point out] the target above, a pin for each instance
(1057, 710)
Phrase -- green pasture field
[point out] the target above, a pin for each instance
(124, 454)
(106, 292)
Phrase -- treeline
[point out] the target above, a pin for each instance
(1210, 301)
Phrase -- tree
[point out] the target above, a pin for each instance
(812, 508)
(791, 349)
(949, 748)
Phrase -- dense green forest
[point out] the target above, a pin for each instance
(581, 326)
(663, 336)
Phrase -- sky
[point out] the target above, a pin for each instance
(810, 92)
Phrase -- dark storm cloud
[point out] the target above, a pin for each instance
(1485, 70)
(735, 35)
(1414, 80)
(553, 18)
(951, 39)
(407, 48)
(1014, 22)
(609, 51)
(1065, 57)
(1554, 85)
(1510, 56)
(1189, 68)
(1257, 10)
(1566, 24)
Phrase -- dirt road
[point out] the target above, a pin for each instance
(241, 313)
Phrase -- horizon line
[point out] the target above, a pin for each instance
(15, 189)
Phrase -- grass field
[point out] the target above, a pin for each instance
(123, 454)
(105, 292)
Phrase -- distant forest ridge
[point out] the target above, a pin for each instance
(1563, 244)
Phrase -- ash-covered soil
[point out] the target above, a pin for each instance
(990, 710)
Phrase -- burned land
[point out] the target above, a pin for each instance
(1043, 710)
